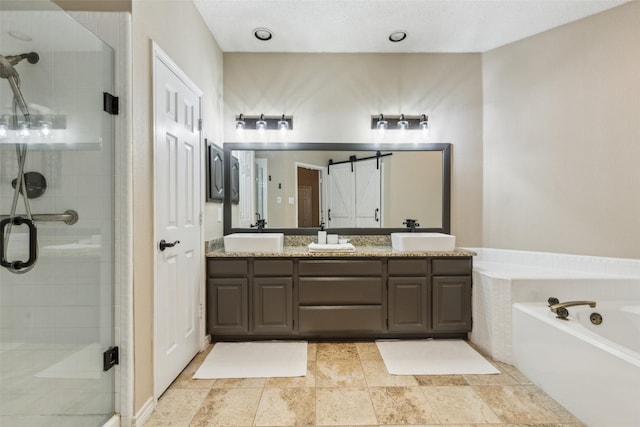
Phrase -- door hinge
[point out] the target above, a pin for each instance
(200, 124)
(201, 311)
(200, 218)
(110, 103)
(110, 358)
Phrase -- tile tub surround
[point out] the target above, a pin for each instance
(347, 384)
(503, 277)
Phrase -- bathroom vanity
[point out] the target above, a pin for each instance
(372, 293)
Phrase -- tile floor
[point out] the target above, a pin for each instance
(347, 385)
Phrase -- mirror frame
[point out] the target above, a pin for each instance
(229, 147)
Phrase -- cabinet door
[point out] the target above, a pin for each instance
(408, 304)
(452, 304)
(227, 306)
(272, 305)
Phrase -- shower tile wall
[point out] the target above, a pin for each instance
(65, 304)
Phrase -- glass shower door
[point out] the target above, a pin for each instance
(56, 221)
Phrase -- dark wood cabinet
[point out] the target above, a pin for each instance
(272, 305)
(408, 304)
(227, 306)
(452, 303)
(339, 297)
(215, 173)
(247, 296)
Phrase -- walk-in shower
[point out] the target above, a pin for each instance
(56, 221)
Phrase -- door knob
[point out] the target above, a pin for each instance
(164, 244)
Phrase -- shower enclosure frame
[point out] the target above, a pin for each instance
(114, 29)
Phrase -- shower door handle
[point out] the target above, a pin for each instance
(33, 243)
(375, 214)
(164, 244)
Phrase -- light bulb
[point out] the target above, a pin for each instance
(25, 130)
(45, 128)
(283, 124)
(424, 122)
(382, 123)
(261, 124)
(402, 123)
(240, 122)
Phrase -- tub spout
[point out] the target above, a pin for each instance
(555, 307)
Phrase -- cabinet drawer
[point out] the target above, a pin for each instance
(281, 267)
(227, 268)
(340, 291)
(408, 267)
(451, 267)
(328, 319)
(340, 268)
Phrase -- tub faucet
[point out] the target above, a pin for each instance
(560, 308)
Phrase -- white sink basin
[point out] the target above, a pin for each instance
(254, 242)
(423, 242)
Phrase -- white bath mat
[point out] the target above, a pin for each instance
(255, 360)
(433, 357)
(85, 363)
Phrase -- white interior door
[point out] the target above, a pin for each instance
(342, 193)
(246, 204)
(368, 207)
(177, 192)
(262, 178)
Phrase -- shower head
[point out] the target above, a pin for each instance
(7, 71)
(7, 63)
(31, 57)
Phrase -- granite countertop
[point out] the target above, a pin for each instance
(361, 251)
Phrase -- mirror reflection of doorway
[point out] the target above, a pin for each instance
(308, 197)
(261, 178)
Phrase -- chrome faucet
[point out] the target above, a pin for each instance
(560, 308)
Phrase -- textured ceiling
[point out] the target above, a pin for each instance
(365, 25)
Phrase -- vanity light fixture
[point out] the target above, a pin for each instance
(262, 122)
(402, 122)
(41, 128)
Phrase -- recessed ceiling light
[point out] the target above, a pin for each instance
(20, 36)
(262, 34)
(397, 36)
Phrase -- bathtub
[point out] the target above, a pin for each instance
(593, 371)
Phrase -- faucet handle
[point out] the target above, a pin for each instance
(553, 301)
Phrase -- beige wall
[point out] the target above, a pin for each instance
(178, 29)
(562, 139)
(332, 97)
(95, 6)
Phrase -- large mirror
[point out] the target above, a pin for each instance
(350, 188)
